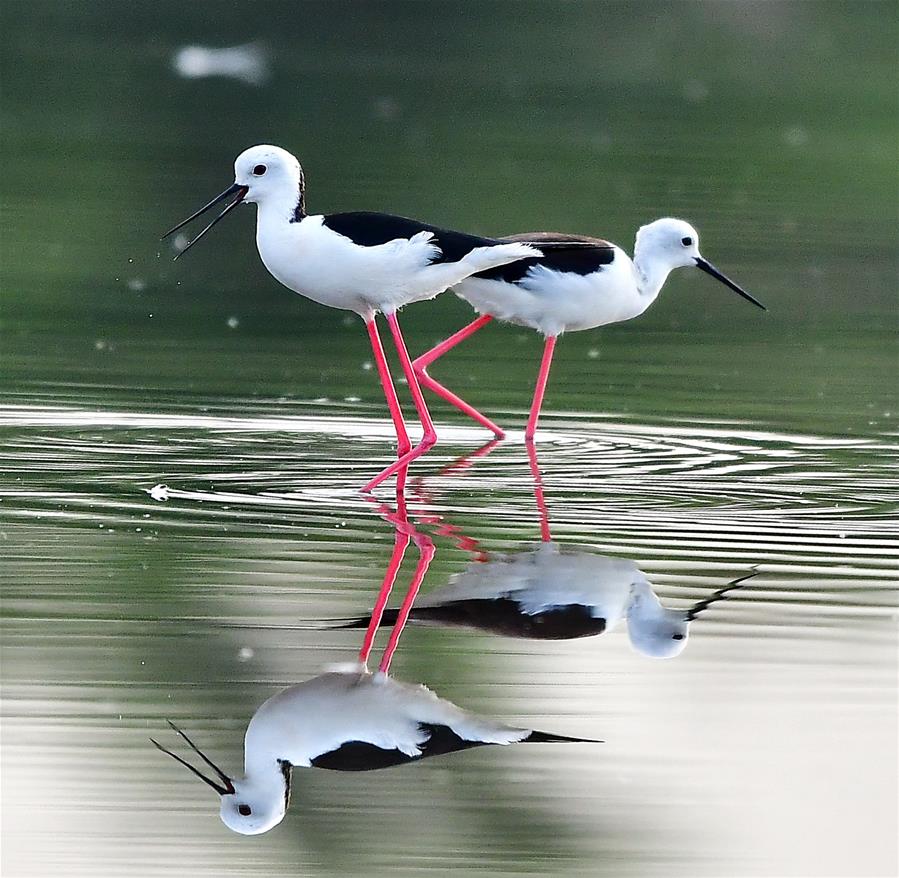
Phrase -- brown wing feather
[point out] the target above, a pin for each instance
(555, 237)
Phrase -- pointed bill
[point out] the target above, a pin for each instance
(708, 268)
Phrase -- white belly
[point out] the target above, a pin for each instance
(328, 268)
(555, 302)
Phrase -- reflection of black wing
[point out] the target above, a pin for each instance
(576, 254)
(370, 229)
(503, 616)
(361, 756)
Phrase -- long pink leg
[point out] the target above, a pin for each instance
(540, 389)
(429, 438)
(545, 535)
(426, 550)
(399, 519)
(403, 445)
(421, 370)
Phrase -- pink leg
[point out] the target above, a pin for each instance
(429, 438)
(545, 535)
(396, 559)
(403, 445)
(421, 370)
(426, 550)
(540, 389)
(400, 522)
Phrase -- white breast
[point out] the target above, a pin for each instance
(329, 268)
(554, 302)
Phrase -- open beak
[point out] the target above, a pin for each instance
(721, 594)
(225, 788)
(708, 268)
(235, 189)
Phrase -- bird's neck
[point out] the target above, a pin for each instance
(280, 208)
(651, 275)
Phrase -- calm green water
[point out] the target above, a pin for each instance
(701, 440)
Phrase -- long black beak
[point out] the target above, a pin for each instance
(721, 594)
(225, 788)
(234, 189)
(708, 268)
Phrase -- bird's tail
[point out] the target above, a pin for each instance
(484, 258)
(549, 738)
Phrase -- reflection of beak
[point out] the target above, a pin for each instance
(225, 788)
(721, 594)
(708, 268)
(240, 191)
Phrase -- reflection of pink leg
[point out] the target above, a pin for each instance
(421, 370)
(403, 445)
(429, 438)
(540, 389)
(538, 492)
(399, 549)
(426, 549)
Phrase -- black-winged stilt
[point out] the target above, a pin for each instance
(362, 262)
(578, 283)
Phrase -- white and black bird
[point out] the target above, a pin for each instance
(558, 592)
(345, 720)
(361, 262)
(579, 283)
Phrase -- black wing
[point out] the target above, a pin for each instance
(370, 229)
(503, 616)
(576, 254)
(362, 756)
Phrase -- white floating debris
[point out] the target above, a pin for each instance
(159, 492)
(245, 653)
(233, 322)
(247, 63)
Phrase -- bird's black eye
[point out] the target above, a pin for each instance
(244, 810)
(686, 241)
(677, 636)
(259, 170)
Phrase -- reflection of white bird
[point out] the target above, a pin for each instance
(345, 720)
(554, 592)
(247, 63)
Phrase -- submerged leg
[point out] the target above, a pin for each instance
(421, 370)
(403, 445)
(429, 437)
(540, 389)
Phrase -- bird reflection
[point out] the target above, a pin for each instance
(550, 591)
(559, 592)
(349, 718)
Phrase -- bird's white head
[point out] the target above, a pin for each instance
(673, 242)
(669, 243)
(251, 805)
(654, 630)
(256, 807)
(268, 173)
